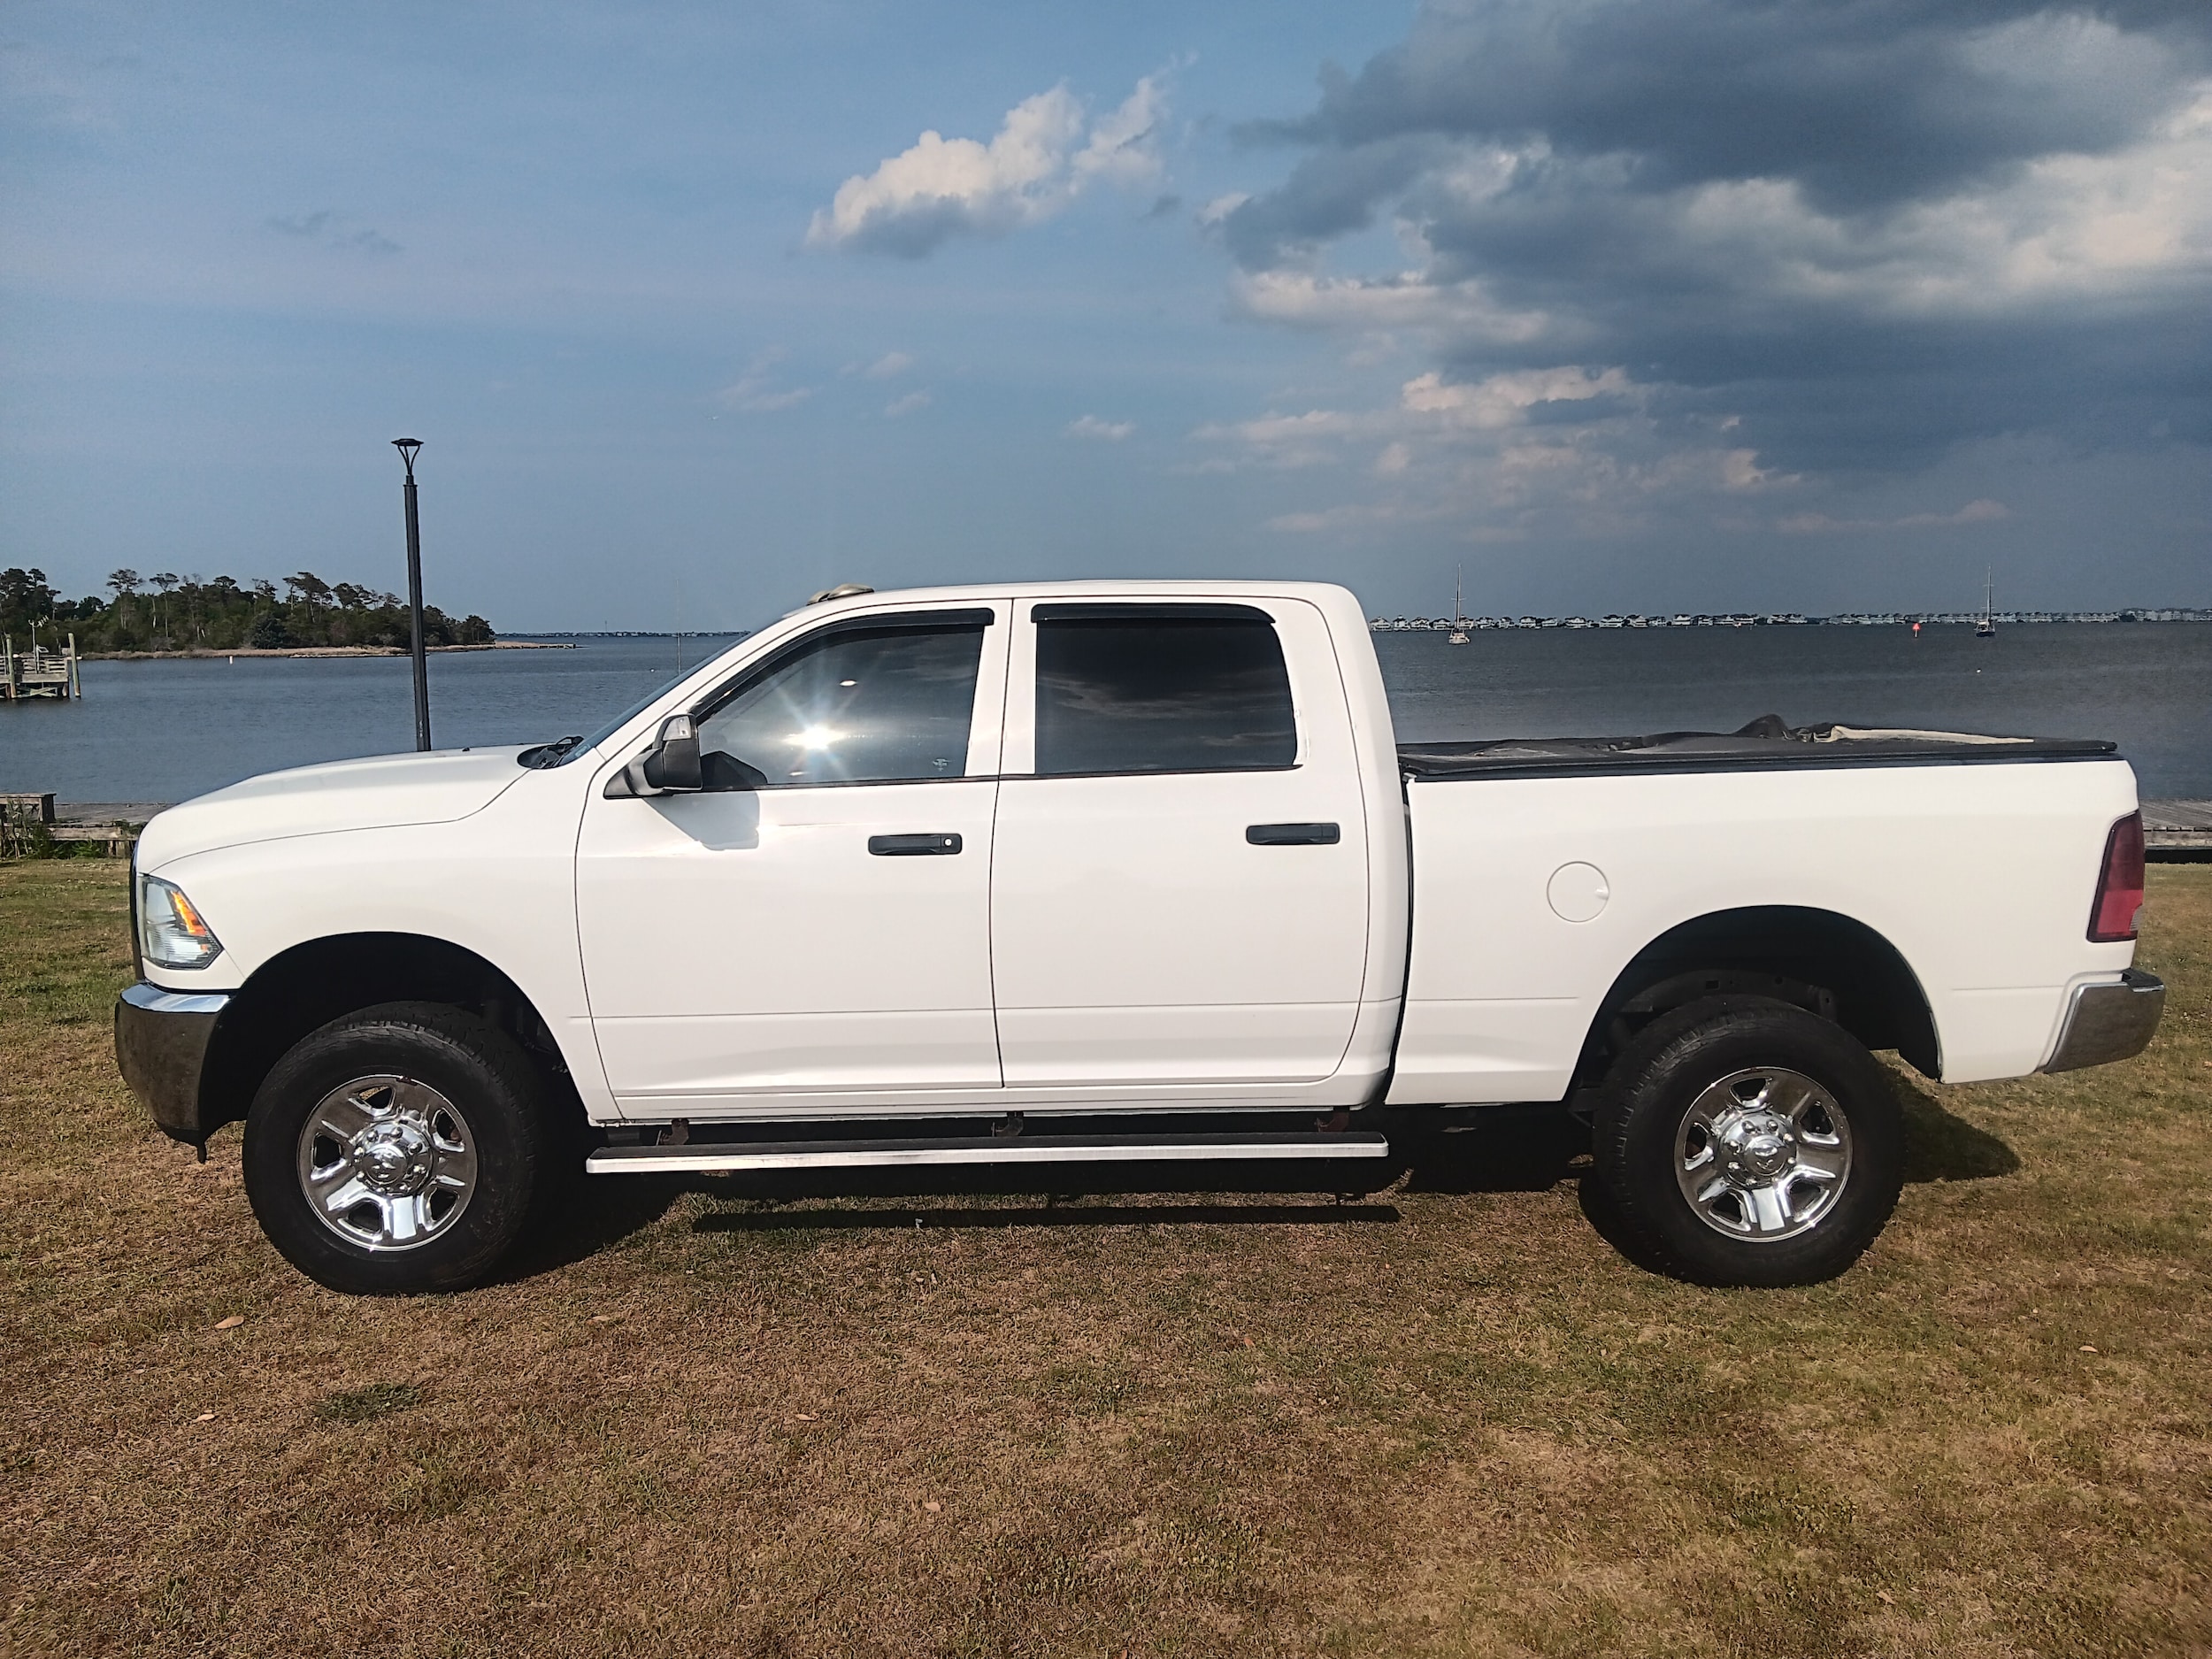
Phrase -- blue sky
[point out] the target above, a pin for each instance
(1622, 305)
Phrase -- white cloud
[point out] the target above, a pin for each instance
(1269, 430)
(2136, 221)
(1092, 426)
(1312, 438)
(890, 365)
(755, 390)
(905, 405)
(1504, 400)
(1349, 516)
(1432, 414)
(2063, 228)
(2066, 229)
(2018, 240)
(1042, 158)
(1739, 469)
(1414, 300)
(1572, 447)
(763, 402)
(1983, 511)
(1124, 147)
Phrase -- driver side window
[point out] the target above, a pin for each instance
(871, 702)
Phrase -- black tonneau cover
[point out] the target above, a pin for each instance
(1766, 742)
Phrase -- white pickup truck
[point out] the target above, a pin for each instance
(1112, 871)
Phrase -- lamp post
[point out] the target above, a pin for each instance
(407, 448)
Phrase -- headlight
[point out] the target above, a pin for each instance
(171, 932)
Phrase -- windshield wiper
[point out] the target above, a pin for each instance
(550, 754)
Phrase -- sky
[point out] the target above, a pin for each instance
(1611, 306)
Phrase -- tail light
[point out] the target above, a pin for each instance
(2119, 884)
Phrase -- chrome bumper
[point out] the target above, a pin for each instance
(161, 1039)
(2109, 1022)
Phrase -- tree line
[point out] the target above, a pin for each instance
(169, 612)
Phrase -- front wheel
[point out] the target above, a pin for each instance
(397, 1149)
(1746, 1141)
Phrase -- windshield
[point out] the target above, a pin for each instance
(561, 750)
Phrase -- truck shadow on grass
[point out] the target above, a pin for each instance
(1940, 1147)
(1494, 1149)
(607, 1210)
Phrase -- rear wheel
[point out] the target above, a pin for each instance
(399, 1149)
(1745, 1141)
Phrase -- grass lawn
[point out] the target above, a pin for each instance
(1446, 1419)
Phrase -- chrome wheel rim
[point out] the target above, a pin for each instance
(386, 1162)
(1762, 1154)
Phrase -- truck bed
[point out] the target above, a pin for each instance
(1765, 743)
(1581, 854)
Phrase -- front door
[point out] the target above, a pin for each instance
(1179, 887)
(816, 921)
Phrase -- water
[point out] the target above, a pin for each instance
(169, 730)
(165, 731)
(2147, 685)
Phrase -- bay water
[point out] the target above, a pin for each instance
(164, 731)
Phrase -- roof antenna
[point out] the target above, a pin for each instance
(844, 590)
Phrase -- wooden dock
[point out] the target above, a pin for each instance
(30, 826)
(41, 671)
(2178, 832)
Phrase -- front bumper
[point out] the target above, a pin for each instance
(161, 1042)
(2109, 1022)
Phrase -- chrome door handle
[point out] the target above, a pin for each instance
(931, 846)
(1294, 834)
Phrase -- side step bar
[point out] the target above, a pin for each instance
(730, 1155)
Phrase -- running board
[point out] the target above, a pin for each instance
(728, 1156)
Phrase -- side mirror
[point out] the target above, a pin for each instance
(670, 767)
(673, 765)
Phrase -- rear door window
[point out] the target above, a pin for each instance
(1160, 688)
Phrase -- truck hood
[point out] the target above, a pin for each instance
(382, 792)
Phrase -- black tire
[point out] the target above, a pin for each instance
(1762, 1175)
(495, 1112)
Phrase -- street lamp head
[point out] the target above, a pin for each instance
(407, 448)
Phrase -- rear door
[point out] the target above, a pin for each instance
(1179, 878)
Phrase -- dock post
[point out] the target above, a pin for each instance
(76, 681)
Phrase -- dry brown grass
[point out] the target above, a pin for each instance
(1449, 1420)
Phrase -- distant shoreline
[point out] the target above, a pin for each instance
(315, 650)
(630, 633)
(1791, 619)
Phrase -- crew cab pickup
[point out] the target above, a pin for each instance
(1090, 871)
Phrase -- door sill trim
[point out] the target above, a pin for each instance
(733, 1156)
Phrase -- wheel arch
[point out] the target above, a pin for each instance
(317, 980)
(1827, 963)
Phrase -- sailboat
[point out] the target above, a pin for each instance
(1987, 627)
(1459, 608)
